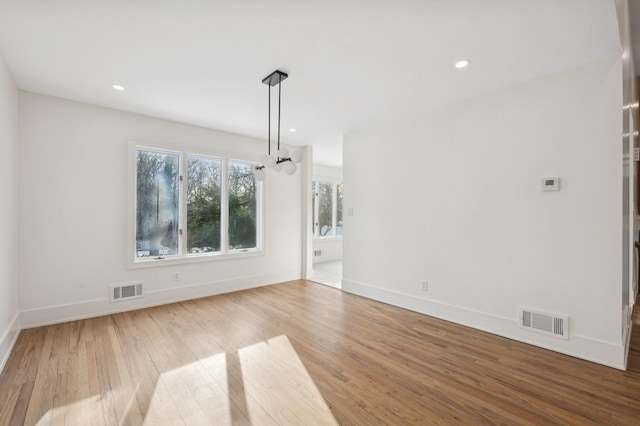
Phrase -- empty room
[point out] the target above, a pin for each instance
(319, 213)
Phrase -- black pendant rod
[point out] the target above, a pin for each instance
(269, 137)
(279, 97)
(276, 77)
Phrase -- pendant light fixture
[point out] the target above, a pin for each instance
(282, 160)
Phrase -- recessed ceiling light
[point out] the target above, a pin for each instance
(292, 130)
(462, 63)
(117, 87)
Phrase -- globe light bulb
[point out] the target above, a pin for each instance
(268, 160)
(258, 173)
(283, 153)
(289, 167)
(296, 156)
(277, 167)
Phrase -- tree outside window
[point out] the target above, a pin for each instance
(215, 224)
(157, 196)
(204, 180)
(242, 207)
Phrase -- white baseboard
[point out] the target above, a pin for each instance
(627, 338)
(8, 339)
(95, 308)
(584, 347)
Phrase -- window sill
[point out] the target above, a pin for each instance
(195, 258)
(328, 239)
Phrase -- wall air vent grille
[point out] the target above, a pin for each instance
(126, 291)
(544, 322)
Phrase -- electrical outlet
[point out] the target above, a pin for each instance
(424, 285)
(176, 276)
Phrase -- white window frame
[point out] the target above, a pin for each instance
(259, 210)
(183, 256)
(334, 208)
(223, 202)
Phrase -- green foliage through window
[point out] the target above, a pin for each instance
(242, 206)
(204, 179)
(208, 213)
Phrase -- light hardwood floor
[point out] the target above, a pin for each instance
(300, 353)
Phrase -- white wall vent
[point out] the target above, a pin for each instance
(544, 322)
(317, 252)
(126, 291)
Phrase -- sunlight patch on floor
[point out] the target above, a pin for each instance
(193, 393)
(78, 412)
(276, 382)
(264, 383)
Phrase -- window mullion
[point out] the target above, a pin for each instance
(224, 208)
(182, 209)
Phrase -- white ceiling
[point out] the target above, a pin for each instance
(351, 63)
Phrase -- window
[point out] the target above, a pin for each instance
(314, 212)
(204, 184)
(243, 207)
(339, 210)
(157, 195)
(218, 199)
(327, 209)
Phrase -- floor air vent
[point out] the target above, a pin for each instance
(544, 322)
(126, 291)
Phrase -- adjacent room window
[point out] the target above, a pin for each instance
(218, 199)
(314, 196)
(327, 209)
(339, 210)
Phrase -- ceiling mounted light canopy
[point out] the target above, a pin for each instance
(282, 160)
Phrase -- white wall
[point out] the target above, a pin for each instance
(331, 247)
(9, 323)
(75, 183)
(454, 197)
(629, 192)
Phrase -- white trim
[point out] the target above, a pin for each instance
(224, 208)
(307, 213)
(329, 239)
(197, 258)
(183, 146)
(330, 179)
(584, 347)
(8, 340)
(98, 307)
(627, 338)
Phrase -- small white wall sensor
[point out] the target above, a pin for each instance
(551, 184)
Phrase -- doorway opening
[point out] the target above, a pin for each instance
(327, 219)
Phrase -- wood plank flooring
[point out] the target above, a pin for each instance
(300, 353)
